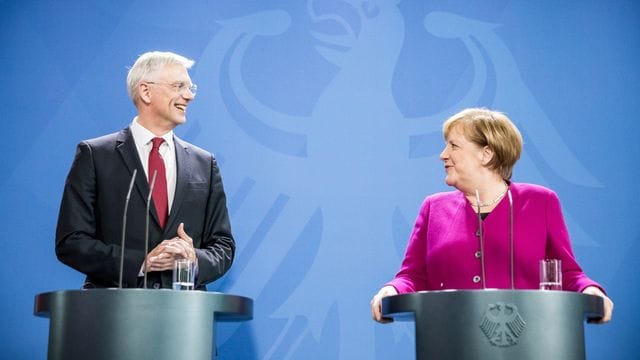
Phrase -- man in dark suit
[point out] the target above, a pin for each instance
(189, 216)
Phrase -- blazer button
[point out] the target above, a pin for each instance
(157, 286)
(478, 254)
(476, 279)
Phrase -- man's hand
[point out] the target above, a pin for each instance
(187, 243)
(167, 252)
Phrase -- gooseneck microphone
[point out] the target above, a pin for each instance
(511, 252)
(480, 231)
(513, 286)
(146, 227)
(124, 224)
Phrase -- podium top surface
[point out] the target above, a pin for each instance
(405, 306)
(225, 307)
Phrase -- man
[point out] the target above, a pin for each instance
(188, 217)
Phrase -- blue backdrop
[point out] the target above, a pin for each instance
(325, 116)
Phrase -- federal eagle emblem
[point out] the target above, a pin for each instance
(502, 324)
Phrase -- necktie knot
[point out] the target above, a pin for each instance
(157, 141)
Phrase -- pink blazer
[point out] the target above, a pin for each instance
(442, 250)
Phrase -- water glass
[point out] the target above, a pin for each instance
(183, 274)
(550, 274)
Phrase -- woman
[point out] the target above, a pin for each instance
(521, 223)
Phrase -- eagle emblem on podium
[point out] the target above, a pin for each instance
(502, 324)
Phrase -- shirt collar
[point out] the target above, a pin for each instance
(143, 136)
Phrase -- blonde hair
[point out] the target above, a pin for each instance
(494, 129)
(150, 62)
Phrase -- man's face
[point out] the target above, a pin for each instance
(170, 95)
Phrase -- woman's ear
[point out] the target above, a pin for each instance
(487, 155)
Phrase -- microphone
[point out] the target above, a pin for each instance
(484, 283)
(511, 252)
(513, 286)
(146, 226)
(124, 224)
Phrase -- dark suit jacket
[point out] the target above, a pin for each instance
(89, 230)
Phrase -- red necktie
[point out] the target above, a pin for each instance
(160, 198)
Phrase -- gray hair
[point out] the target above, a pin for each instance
(150, 62)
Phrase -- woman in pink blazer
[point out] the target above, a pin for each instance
(521, 223)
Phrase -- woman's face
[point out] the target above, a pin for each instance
(462, 160)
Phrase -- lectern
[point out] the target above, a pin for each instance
(496, 324)
(137, 323)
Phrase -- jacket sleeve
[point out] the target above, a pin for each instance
(78, 243)
(217, 251)
(559, 247)
(412, 275)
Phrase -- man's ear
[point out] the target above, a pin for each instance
(144, 93)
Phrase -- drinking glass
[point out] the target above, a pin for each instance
(550, 274)
(183, 274)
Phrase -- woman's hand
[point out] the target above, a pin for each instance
(608, 304)
(376, 303)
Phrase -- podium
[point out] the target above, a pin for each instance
(496, 324)
(137, 323)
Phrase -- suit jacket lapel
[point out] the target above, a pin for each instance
(127, 148)
(183, 169)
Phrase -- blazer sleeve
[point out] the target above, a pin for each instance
(78, 243)
(217, 251)
(559, 247)
(412, 275)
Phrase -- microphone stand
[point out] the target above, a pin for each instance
(513, 286)
(511, 252)
(484, 283)
(146, 228)
(124, 225)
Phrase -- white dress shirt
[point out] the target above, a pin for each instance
(142, 137)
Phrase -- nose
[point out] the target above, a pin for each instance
(188, 94)
(443, 155)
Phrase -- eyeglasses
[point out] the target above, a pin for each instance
(180, 87)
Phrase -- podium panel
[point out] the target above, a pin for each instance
(496, 324)
(137, 323)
